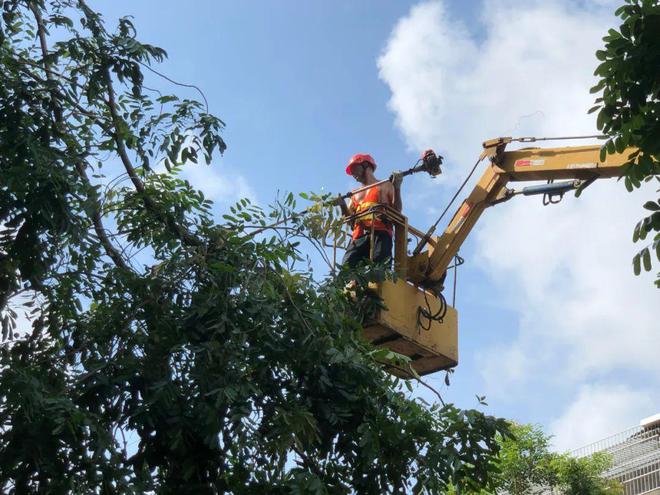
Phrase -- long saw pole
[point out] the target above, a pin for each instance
(430, 164)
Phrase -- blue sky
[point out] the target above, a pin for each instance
(554, 328)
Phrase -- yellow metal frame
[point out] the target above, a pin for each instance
(396, 328)
(575, 162)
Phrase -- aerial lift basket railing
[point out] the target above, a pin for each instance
(427, 336)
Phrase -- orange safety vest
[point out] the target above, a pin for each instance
(363, 224)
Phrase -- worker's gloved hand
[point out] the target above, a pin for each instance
(396, 178)
(339, 201)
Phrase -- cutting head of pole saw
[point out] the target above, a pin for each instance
(431, 163)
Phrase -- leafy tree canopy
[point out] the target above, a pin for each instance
(629, 108)
(526, 462)
(526, 465)
(218, 366)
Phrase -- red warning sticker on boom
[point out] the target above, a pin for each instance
(463, 213)
(528, 163)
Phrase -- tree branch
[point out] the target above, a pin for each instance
(80, 167)
(98, 224)
(419, 379)
(179, 231)
(111, 126)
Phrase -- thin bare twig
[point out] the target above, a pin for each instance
(419, 379)
(148, 67)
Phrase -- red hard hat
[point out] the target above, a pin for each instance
(359, 158)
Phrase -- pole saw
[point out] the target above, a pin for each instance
(430, 163)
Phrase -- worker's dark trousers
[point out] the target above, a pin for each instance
(358, 249)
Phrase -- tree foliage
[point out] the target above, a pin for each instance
(526, 465)
(148, 348)
(629, 108)
(525, 461)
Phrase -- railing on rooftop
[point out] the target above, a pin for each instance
(606, 443)
(635, 458)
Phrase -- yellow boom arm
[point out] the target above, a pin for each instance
(582, 163)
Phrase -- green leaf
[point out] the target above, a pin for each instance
(646, 258)
(628, 183)
(619, 11)
(637, 264)
(655, 221)
(167, 99)
(619, 145)
(645, 228)
(610, 147)
(636, 231)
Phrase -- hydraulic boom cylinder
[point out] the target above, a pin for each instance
(553, 188)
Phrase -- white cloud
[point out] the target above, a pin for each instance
(566, 271)
(598, 412)
(525, 68)
(218, 183)
(527, 71)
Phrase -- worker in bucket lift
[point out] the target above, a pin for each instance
(362, 167)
